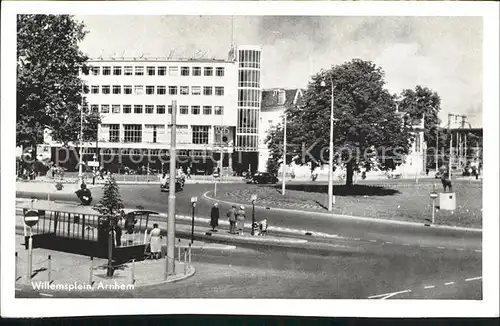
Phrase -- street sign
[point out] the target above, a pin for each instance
(222, 130)
(93, 163)
(31, 218)
(254, 197)
(434, 195)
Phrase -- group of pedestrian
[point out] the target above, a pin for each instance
(236, 219)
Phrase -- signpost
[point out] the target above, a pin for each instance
(193, 203)
(30, 219)
(433, 195)
(254, 198)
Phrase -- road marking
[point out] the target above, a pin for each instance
(18, 289)
(473, 278)
(429, 287)
(46, 295)
(461, 249)
(441, 248)
(449, 283)
(388, 242)
(357, 239)
(422, 246)
(387, 295)
(478, 250)
(373, 240)
(406, 244)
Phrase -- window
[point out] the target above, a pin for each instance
(133, 133)
(114, 133)
(219, 90)
(150, 90)
(208, 71)
(195, 109)
(172, 90)
(85, 107)
(162, 71)
(184, 71)
(249, 97)
(96, 71)
(127, 108)
(127, 70)
(117, 71)
(196, 71)
(94, 108)
(138, 108)
(106, 71)
(138, 90)
(115, 108)
(219, 71)
(207, 110)
(139, 70)
(105, 108)
(183, 109)
(150, 109)
(151, 71)
(170, 109)
(207, 90)
(161, 90)
(105, 89)
(249, 78)
(160, 109)
(173, 71)
(155, 130)
(127, 89)
(86, 89)
(184, 90)
(94, 89)
(117, 89)
(200, 134)
(219, 110)
(195, 90)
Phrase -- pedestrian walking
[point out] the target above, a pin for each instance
(155, 241)
(188, 172)
(214, 217)
(240, 218)
(231, 214)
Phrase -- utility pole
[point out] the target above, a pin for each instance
(464, 148)
(171, 196)
(437, 148)
(451, 145)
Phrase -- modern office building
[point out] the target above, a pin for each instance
(217, 100)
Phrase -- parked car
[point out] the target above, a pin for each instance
(263, 177)
(179, 184)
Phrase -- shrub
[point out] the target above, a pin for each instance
(59, 186)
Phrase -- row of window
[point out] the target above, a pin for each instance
(155, 71)
(158, 90)
(133, 133)
(159, 109)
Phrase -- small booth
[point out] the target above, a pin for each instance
(81, 230)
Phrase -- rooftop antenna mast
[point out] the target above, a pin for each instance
(232, 31)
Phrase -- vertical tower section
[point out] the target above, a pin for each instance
(248, 60)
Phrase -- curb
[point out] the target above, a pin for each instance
(349, 217)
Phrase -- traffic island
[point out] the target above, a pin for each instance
(408, 201)
(54, 271)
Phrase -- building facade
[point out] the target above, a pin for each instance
(217, 101)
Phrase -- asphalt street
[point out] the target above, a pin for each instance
(376, 260)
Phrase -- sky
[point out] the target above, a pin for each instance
(442, 53)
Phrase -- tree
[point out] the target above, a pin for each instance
(424, 102)
(111, 208)
(367, 131)
(49, 88)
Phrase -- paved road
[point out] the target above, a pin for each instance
(373, 259)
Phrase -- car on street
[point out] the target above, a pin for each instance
(262, 177)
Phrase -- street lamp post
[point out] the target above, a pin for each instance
(254, 198)
(171, 196)
(330, 156)
(80, 165)
(283, 187)
(193, 204)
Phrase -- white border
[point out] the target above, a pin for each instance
(489, 306)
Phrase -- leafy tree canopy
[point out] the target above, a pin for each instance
(110, 205)
(365, 121)
(49, 89)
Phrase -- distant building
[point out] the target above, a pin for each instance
(274, 103)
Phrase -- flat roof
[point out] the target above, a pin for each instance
(158, 59)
